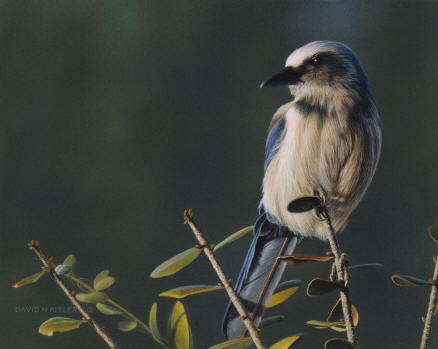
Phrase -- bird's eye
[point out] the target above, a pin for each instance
(315, 60)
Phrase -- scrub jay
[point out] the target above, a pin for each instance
(325, 142)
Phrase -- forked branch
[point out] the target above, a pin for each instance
(49, 267)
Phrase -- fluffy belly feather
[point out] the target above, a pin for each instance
(315, 156)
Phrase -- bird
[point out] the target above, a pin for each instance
(324, 142)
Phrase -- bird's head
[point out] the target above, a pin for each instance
(319, 69)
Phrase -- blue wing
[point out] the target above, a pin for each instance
(273, 141)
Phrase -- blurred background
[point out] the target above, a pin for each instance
(116, 116)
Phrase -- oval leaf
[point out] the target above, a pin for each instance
(108, 309)
(104, 283)
(281, 296)
(365, 266)
(184, 291)
(238, 343)
(432, 231)
(233, 237)
(271, 320)
(287, 284)
(338, 343)
(59, 324)
(153, 324)
(103, 274)
(126, 325)
(92, 297)
(409, 281)
(318, 287)
(28, 280)
(285, 343)
(304, 204)
(63, 269)
(176, 263)
(302, 258)
(323, 324)
(70, 260)
(179, 327)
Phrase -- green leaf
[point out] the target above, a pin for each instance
(324, 324)
(318, 287)
(271, 320)
(409, 281)
(184, 291)
(281, 296)
(176, 263)
(233, 237)
(92, 297)
(238, 343)
(286, 343)
(432, 231)
(126, 325)
(104, 283)
(304, 204)
(59, 324)
(179, 327)
(70, 260)
(108, 309)
(100, 276)
(153, 324)
(28, 280)
(338, 343)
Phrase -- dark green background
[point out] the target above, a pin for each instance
(118, 115)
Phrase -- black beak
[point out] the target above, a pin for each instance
(286, 76)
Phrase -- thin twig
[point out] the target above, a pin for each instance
(90, 288)
(341, 276)
(430, 310)
(253, 331)
(48, 265)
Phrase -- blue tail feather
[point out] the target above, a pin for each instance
(260, 273)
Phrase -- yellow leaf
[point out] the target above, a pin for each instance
(238, 343)
(92, 297)
(59, 324)
(285, 343)
(281, 296)
(323, 324)
(302, 258)
(153, 324)
(184, 291)
(70, 260)
(28, 280)
(108, 309)
(103, 274)
(233, 237)
(179, 327)
(104, 283)
(127, 325)
(176, 263)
